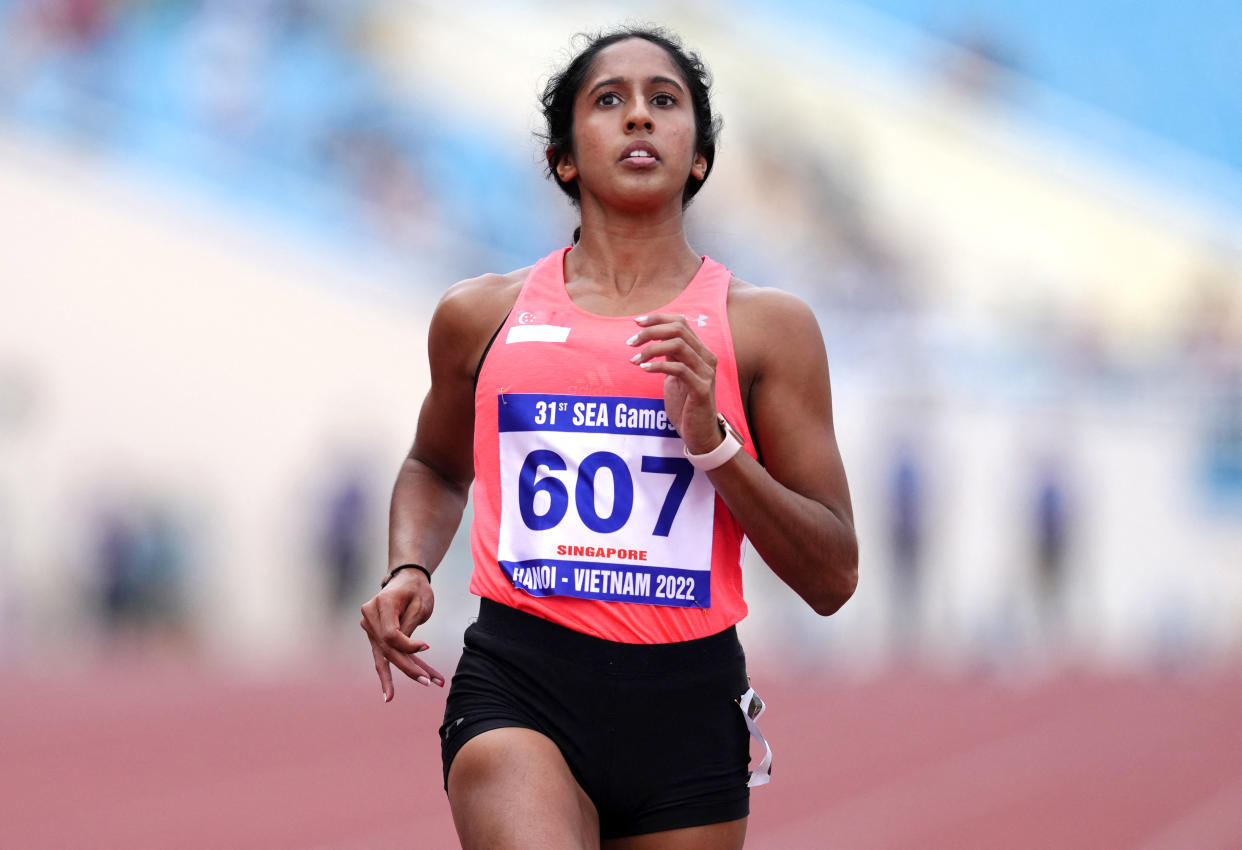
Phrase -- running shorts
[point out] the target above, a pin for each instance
(652, 732)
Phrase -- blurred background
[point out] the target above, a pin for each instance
(225, 224)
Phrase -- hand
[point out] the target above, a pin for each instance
(389, 619)
(690, 382)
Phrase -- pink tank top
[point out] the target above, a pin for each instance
(586, 512)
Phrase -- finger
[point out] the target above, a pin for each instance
(658, 324)
(677, 369)
(680, 350)
(436, 677)
(389, 630)
(395, 639)
(414, 616)
(414, 667)
(661, 319)
(385, 673)
(676, 329)
(410, 621)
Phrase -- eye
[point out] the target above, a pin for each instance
(608, 98)
(664, 100)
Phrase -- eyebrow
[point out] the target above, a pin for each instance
(614, 81)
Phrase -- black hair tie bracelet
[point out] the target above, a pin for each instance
(396, 570)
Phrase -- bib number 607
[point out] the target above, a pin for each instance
(529, 484)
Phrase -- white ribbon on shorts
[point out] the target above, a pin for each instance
(752, 709)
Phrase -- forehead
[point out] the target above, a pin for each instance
(633, 58)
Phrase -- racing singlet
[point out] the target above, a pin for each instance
(586, 512)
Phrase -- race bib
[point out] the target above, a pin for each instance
(598, 502)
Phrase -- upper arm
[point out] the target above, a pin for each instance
(461, 327)
(789, 397)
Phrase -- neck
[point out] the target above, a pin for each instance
(624, 252)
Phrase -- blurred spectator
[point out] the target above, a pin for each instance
(344, 546)
(906, 532)
(140, 554)
(1051, 531)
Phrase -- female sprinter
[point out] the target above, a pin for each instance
(637, 413)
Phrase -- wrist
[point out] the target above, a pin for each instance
(730, 443)
(408, 569)
(707, 443)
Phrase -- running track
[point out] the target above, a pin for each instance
(160, 756)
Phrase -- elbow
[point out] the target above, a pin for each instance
(843, 573)
(832, 600)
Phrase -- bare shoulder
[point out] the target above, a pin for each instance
(767, 324)
(766, 303)
(469, 312)
(480, 299)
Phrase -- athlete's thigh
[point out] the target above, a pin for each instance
(511, 788)
(730, 835)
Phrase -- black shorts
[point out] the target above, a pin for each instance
(652, 733)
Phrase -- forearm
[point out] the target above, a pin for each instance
(809, 545)
(796, 509)
(425, 512)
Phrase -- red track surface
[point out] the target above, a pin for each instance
(160, 757)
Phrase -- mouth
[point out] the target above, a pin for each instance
(640, 154)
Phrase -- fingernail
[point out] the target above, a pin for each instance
(646, 365)
(423, 680)
(384, 695)
(636, 357)
(641, 319)
(438, 681)
(632, 340)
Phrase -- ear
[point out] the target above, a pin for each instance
(564, 168)
(698, 168)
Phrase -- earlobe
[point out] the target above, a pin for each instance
(698, 169)
(562, 164)
(565, 169)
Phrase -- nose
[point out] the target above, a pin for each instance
(638, 116)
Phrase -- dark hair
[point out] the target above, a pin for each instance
(561, 90)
